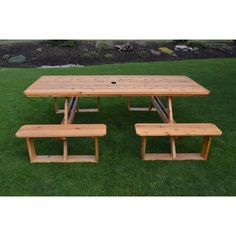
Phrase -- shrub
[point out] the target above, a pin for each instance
(143, 54)
(63, 43)
(91, 55)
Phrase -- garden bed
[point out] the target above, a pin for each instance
(65, 52)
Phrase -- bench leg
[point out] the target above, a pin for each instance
(31, 149)
(206, 147)
(174, 155)
(65, 149)
(143, 147)
(173, 147)
(96, 149)
(65, 158)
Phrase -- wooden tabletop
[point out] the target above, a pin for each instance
(114, 85)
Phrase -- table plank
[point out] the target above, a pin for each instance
(115, 85)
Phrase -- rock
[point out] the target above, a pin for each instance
(71, 65)
(183, 48)
(39, 49)
(6, 57)
(108, 56)
(195, 49)
(167, 51)
(154, 52)
(84, 49)
(17, 59)
(60, 66)
(49, 67)
(104, 44)
(124, 47)
(223, 47)
(141, 42)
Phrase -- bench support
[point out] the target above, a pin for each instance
(206, 146)
(166, 113)
(150, 108)
(97, 109)
(65, 158)
(70, 108)
(70, 104)
(31, 149)
(173, 155)
(143, 147)
(96, 149)
(56, 106)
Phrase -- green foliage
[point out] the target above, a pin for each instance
(180, 42)
(63, 43)
(121, 170)
(143, 54)
(91, 54)
(104, 44)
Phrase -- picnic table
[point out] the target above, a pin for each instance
(73, 87)
(153, 86)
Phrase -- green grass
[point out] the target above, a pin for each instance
(120, 170)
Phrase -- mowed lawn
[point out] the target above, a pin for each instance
(120, 170)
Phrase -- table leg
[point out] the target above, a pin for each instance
(56, 104)
(170, 110)
(171, 120)
(166, 113)
(66, 111)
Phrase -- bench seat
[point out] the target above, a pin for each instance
(61, 131)
(194, 129)
(57, 131)
(173, 130)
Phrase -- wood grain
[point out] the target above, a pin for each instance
(180, 129)
(115, 85)
(57, 131)
(169, 157)
(60, 159)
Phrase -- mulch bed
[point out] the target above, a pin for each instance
(46, 52)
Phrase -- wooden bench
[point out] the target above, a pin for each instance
(63, 132)
(176, 130)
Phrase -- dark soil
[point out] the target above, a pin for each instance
(86, 52)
